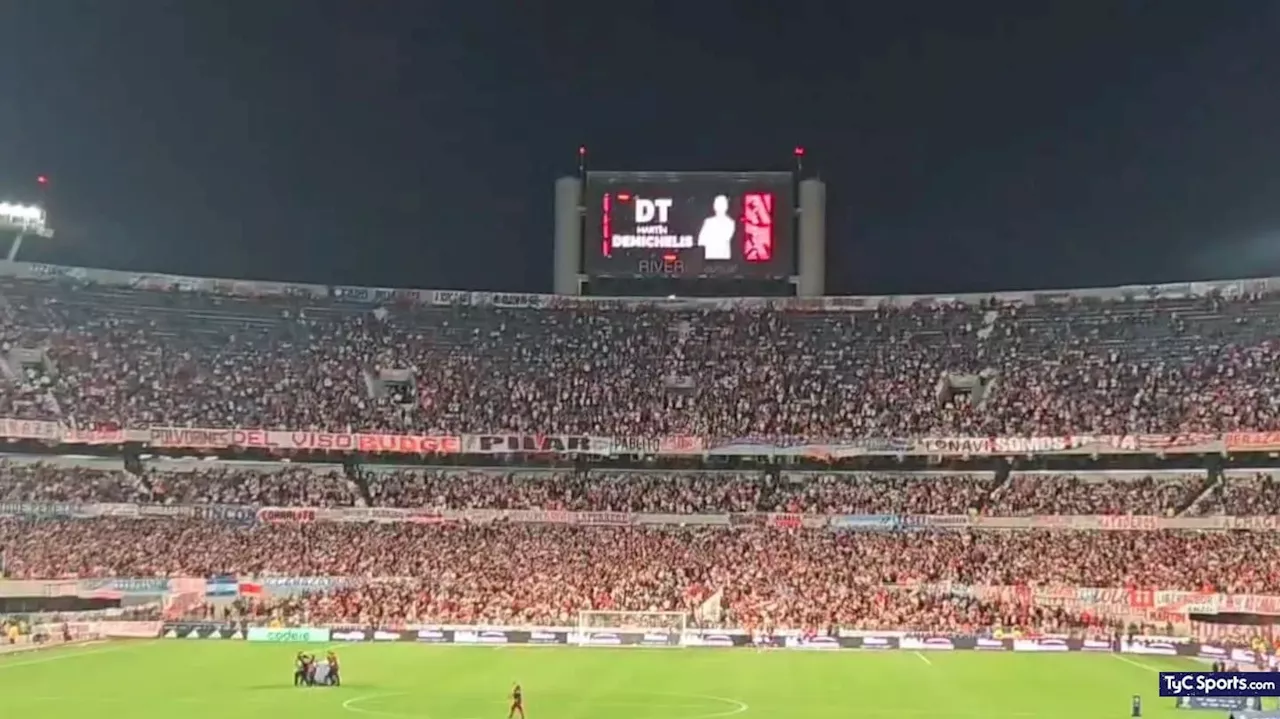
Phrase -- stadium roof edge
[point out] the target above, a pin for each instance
(157, 281)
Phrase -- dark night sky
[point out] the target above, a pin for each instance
(966, 145)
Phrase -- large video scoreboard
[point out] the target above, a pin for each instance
(689, 225)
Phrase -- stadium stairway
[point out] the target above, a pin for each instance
(357, 479)
(136, 471)
(1004, 473)
(1214, 478)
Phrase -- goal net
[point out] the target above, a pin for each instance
(598, 628)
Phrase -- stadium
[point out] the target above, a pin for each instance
(1025, 504)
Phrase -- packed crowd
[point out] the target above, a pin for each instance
(1241, 494)
(682, 492)
(56, 482)
(1031, 494)
(661, 492)
(289, 485)
(390, 604)
(139, 358)
(548, 573)
(205, 483)
(98, 357)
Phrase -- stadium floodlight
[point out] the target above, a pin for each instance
(23, 220)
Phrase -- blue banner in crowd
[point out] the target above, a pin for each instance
(865, 522)
(222, 585)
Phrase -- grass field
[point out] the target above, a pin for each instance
(176, 680)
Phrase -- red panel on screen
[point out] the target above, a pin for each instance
(757, 222)
(606, 228)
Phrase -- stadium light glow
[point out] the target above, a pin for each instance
(22, 220)
(16, 214)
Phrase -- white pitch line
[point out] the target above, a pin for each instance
(60, 656)
(1139, 665)
(923, 658)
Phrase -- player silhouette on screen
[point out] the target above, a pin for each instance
(716, 237)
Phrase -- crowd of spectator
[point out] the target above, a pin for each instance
(143, 358)
(1031, 494)
(1242, 494)
(683, 492)
(57, 482)
(406, 603)
(102, 357)
(235, 483)
(662, 492)
(222, 483)
(503, 572)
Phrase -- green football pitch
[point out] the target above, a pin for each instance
(177, 680)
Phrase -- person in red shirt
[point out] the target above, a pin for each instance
(517, 702)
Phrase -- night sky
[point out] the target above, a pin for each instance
(967, 146)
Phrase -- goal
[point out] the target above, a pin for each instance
(598, 622)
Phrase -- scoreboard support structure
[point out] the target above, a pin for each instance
(811, 260)
(568, 228)
(690, 226)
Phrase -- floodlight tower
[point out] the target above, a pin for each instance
(23, 221)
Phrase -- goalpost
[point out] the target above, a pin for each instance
(649, 628)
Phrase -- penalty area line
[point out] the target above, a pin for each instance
(923, 658)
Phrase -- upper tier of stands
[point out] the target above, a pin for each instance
(104, 355)
(181, 482)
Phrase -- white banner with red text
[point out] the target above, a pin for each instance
(1155, 602)
(373, 442)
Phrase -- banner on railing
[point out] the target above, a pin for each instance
(865, 522)
(785, 521)
(140, 586)
(86, 588)
(1252, 441)
(196, 438)
(1109, 600)
(293, 585)
(943, 521)
(291, 515)
(536, 444)
(245, 515)
(1216, 603)
(49, 510)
